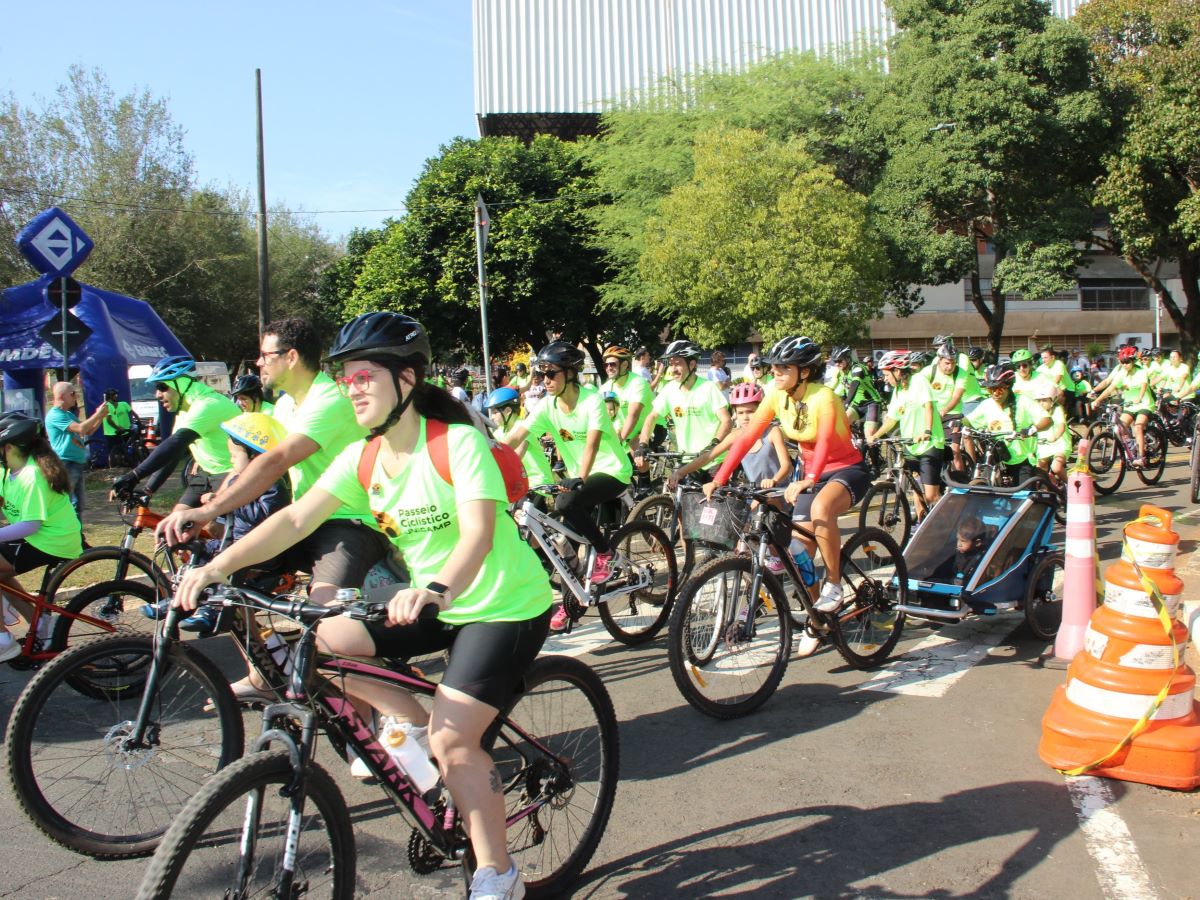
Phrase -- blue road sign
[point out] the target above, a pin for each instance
(53, 243)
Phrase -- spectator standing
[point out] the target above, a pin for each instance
(67, 437)
(641, 363)
(718, 373)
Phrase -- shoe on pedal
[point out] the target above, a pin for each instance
(807, 644)
(10, 647)
(602, 568)
(488, 884)
(830, 599)
(560, 619)
(203, 621)
(157, 610)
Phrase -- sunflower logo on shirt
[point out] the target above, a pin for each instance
(678, 412)
(565, 435)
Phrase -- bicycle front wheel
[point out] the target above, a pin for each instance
(642, 584)
(1106, 461)
(728, 649)
(874, 582)
(558, 750)
(69, 763)
(114, 605)
(230, 839)
(1196, 466)
(887, 509)
(1156, 454)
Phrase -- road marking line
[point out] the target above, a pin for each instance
(1119, 869)
(932, 667)
(584, 638)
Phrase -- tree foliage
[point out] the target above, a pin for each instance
(648, 146)
(542, 271)
(762, 237)
(1148, 62)
(992, 126)
(119, 166)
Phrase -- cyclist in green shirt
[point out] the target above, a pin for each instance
(42, 528)
(1003, 411)
(952, 385)
(247, 392)
(117, 416)
(503, 406)
(634, 396)
(1133, 382)
(858, 391)
(913, 409)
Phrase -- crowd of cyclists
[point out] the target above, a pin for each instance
(323, 461)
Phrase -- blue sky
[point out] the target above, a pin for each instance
(356, 96)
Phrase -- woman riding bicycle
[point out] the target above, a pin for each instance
(597, 466)
(1005, 411)
(1136, 402)
(464, 553)
(42, 528)
(812, 415)
(912, 407)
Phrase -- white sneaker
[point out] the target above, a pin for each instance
(830, 599)
(10, 615)
(418, 733)
(807, 644)
(10, 647)
(488, 884)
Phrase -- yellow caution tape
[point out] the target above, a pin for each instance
(1164, 619)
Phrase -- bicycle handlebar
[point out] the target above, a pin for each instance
(302, 611)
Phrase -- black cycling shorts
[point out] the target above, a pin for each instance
(24, 557)
(868, 412)
(929, 464)
(856, 479)
(487, 659)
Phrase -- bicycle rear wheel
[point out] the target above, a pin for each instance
(728, 650)
(874, 582)
(1106, 461)
(558, 747)
(67, 764)
(886, 509)
(645, 562)
(1156, 454)
(1195, 486)
(115, 605)
(98, 564)
(202, 853)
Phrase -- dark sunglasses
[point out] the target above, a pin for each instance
(550, 373)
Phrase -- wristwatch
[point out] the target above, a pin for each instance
(444, 592)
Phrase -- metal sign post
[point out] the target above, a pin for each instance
(483, 222)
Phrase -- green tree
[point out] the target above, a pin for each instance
(763, 236)
(542, 271)
(992, 126)
(1148, 62)
(647, 148)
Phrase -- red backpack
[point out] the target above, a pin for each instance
(512, 470)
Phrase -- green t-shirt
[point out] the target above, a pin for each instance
(694, 412)
(537, 467)
(418, 511)
(117, 417)
(203, 414)
(907, 409)
(1174, 378)
(1055, 373)
(943, 386)
(991, 416)
(865, 392)
(570, 431)
(1130, 386)
(636, 389)
(28, 498)
(327, 419)
(1024, 387)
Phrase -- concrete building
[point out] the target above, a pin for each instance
(553, 66)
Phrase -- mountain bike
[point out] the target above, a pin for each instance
(665, 509)
(886, 505)
(730, 634)
(1114, 449)
(275, 824)
(1195, 461)
(635, 602)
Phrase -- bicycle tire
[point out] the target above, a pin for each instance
(1044, 595)
(1195, 485)
(566, 708)
(1156, 454)
(659, 510)
(886, 508)
(874, 582)
(744, 669)
(192, 744)
(144, 566)
(95, 601)
(1106, 461)
(203, 841)
(637, 616)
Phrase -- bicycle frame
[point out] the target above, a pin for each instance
(43, 606)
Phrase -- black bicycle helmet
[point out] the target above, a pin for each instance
(20, 429)
(794, 351)
(561, 354)
(942, 340)
(247, 384)
(682, 348)
(840, 354)
(918, 359)
(999, 375)
(389, 335)
(975, 354)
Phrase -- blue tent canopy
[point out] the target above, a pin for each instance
(125, 332)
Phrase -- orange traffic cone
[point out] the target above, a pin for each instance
(1151, 546)
(1127, 710)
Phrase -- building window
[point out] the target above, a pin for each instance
(1113, 293)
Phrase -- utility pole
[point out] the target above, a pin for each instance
(483, 221)
(264, 273)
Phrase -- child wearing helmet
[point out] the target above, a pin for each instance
(503, 406)
(42, 528)
(1054, 442)
(249, 435)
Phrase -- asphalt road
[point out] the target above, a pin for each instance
(845, 784)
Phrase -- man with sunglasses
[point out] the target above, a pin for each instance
(697, 407)
(320, 423)
(633, 393)
(1026, 382)
(597, 466)
(755, 372)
